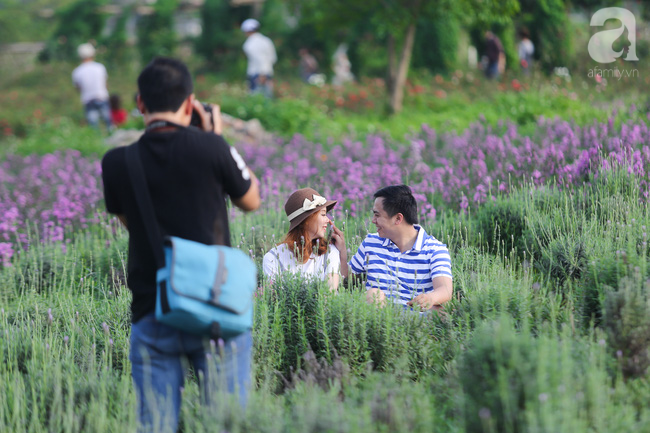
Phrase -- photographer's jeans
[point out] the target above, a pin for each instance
(97, 109)
(157, 353)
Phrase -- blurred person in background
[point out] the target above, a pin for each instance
(118, 114)
(496, 59)
(90, 80)
(341, 66)
(526, 49)
(308, 65)
(261, 55)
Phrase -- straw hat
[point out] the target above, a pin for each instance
(304, 202)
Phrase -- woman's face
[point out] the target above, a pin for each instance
(317, 225)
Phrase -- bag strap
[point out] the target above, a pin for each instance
(143, 200)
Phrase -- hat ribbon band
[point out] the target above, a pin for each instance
(308, 205)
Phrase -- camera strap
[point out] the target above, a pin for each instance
(158, 124)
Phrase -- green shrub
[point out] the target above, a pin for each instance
(551, 33)
(156, 36)
(627, 322)
(294, 317)
(502, 224)
(564, 259)
(221, 39)
(497, 373)
(284, 116)
(436, 44)
(79, 22)
(56, 135)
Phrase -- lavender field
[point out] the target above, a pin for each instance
(548, 331)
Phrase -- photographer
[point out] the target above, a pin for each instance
(189, 171)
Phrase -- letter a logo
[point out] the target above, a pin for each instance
(600, 44)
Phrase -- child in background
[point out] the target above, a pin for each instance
(118, 113)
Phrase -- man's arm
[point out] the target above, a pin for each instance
(251, 200)
(443, 289)
(122, 219)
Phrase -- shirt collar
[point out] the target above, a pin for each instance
(419, 241)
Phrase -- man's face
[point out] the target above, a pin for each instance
(384, 223)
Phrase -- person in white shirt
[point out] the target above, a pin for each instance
(305, 250)
(90, 80)
(261, 55)
(526, 50)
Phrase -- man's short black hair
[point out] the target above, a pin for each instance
(164, 84)
(399, 199)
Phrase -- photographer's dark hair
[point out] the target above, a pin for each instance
(399, 199)
(164, 84)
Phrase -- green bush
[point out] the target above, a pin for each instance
(220, 41)
(551, 32)
(563, 259)
(627, 323)
(284, 116)
(79, 22)
(502, 224)
(497, 375)
(436, 44)
(294, 317)
(156, 36)
(55, 135)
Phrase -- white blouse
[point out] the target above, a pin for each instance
(281, 259)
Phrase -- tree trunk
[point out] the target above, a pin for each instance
(392, 64)
(397, 91)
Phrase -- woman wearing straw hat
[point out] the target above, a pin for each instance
(305, 250)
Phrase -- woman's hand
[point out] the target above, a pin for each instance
(338, 240)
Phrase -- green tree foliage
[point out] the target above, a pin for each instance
(117, 49)
(78, 22)
(220, 41)
(436, 43)
(550, 30)
(27, 20)
(396, 22)
(156, 36)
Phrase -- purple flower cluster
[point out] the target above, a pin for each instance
(47, 196)
(451, 169)
(51, 195)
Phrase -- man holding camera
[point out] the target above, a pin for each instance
(189, 171)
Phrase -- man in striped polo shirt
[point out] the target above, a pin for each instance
(401, 261)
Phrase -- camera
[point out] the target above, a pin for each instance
(196, 118)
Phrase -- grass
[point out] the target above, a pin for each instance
(28, 103)
(516, 350)
(548, 330)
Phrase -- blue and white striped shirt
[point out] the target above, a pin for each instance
(402, 276)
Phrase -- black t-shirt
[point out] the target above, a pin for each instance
(189, 173)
